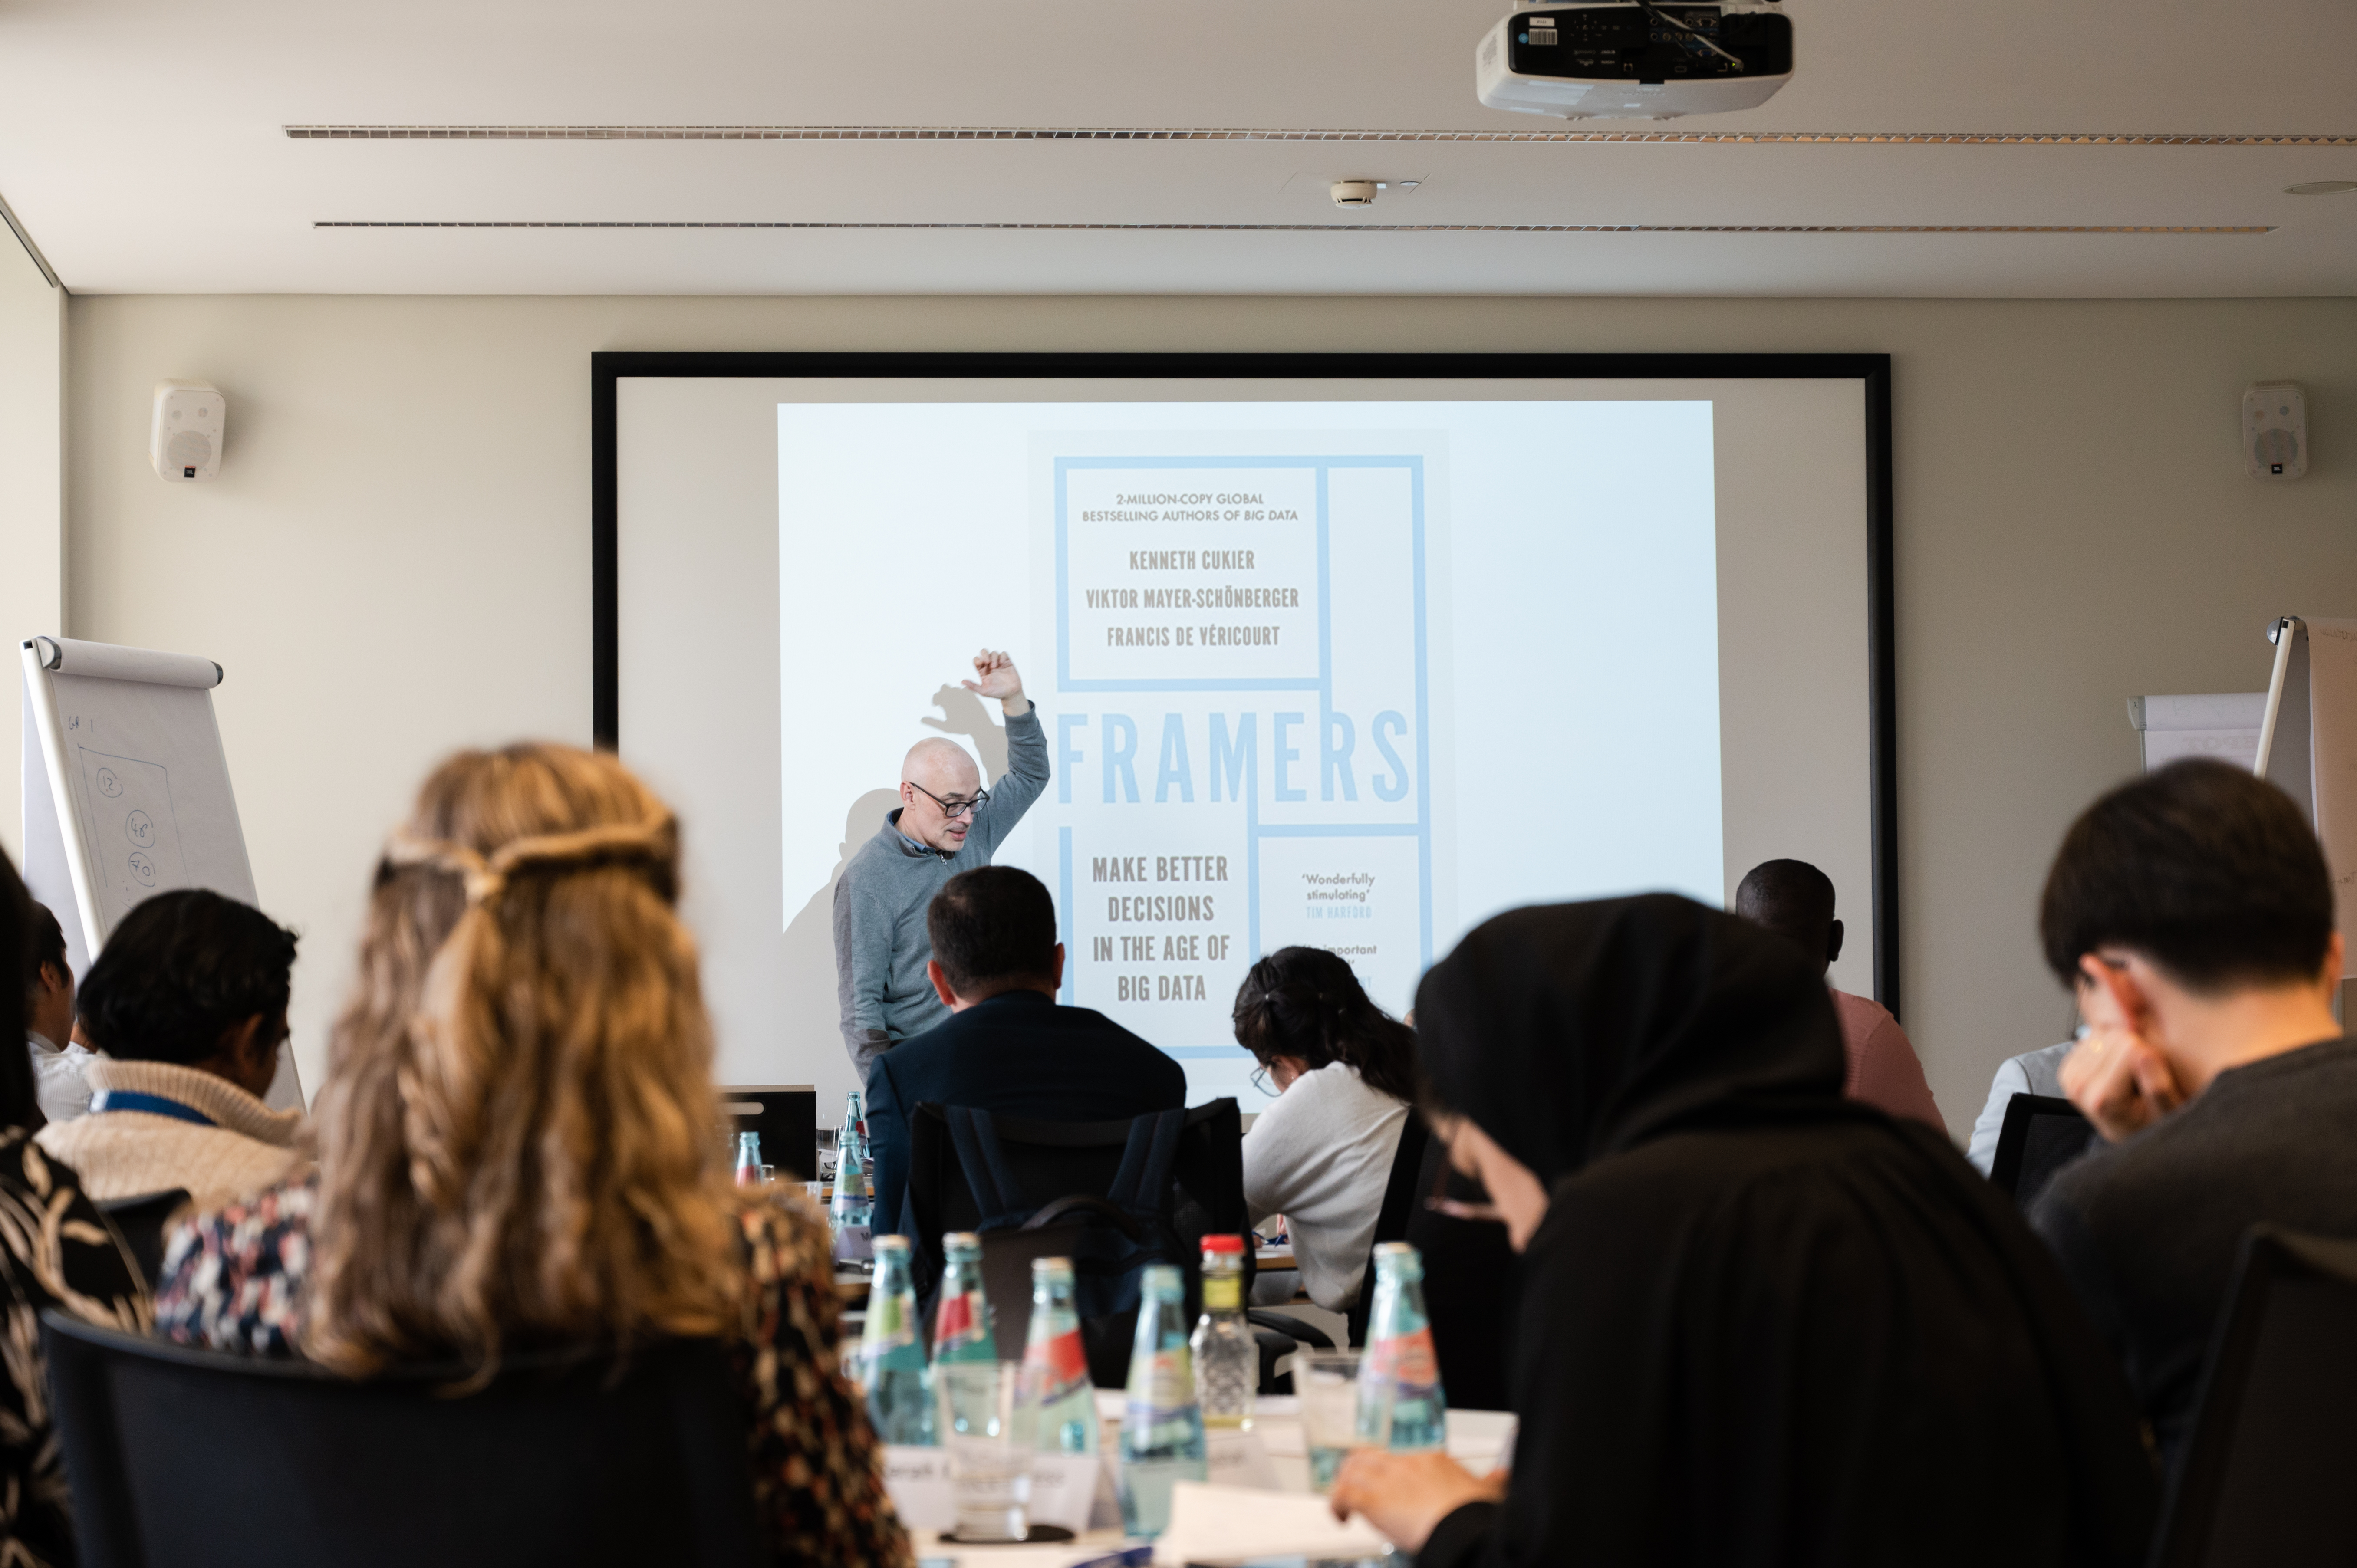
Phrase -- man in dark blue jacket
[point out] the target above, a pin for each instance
(1007, 1047)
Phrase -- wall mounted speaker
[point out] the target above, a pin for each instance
(2275, 431)
(184, 440)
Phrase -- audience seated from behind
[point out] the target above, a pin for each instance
(57, 1058)
(56, 1252)
(1008, 1045)
(2038, 1072)
(2192, 913)
(518, 1149)
(187, 1004)
(1795, 899)
(1343, 1071)
(1759, 1323)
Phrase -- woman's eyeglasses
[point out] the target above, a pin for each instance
(1260, 1081)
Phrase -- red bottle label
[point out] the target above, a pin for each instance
(956, 1319)
(1406, 1358)
(1063, 1360)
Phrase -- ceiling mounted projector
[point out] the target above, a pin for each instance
(1633, 60)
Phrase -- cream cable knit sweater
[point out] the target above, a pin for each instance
(124, 1153)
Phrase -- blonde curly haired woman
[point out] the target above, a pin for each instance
(517, 1150)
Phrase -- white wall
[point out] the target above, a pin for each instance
(396, 560)
(32, 499)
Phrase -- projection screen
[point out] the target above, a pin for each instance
(1351, 652)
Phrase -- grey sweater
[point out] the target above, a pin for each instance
(880, 945)
(2148, 1229)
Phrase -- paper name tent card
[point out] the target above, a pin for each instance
(127, 792)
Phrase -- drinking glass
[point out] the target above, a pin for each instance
(990, 1472)
(1326, 1382)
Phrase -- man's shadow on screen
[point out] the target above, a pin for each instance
(963, 715)
(806, 969)
(806, 972)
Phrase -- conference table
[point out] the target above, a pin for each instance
(1268, 1458)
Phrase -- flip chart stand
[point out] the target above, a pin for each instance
(2307, 742)
(2275, 631)
(126, 792)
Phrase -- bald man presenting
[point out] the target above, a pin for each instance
(946, 823)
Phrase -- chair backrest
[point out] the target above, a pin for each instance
(140, 1223)
(2042, 1134)
(785, 1117)
(1401, 1195)
(1470, 1279)
(182, 1458)
(1048, 1164)
(2265, 1475)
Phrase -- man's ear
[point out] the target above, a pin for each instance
(2128, 996)
(1056, 972)
(239, 1043)
(1834, 935)
(934, 972)
(2335, 951)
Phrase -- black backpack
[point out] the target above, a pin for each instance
(1142, 1219)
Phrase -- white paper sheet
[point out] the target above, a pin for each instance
(1213, 1524)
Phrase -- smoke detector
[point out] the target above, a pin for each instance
(1354, 192)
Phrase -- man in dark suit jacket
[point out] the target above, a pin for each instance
(1007, 1047)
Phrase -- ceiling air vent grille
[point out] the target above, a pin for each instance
(1147, 133)
(1333, 228)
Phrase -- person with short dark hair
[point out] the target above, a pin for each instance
(1343, 1071)
(1008, 1045)
(2191, 913)
(57, 1058)
(1795, 900)
(186, 1003)
(56, 1252)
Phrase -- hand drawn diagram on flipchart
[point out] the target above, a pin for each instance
(133, 837)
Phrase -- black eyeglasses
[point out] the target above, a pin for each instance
(954, 808)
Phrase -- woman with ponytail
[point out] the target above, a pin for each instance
(518, 1145)
(1343, 1071)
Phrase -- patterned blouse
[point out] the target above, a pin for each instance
(232, 1280)
(56, 1251)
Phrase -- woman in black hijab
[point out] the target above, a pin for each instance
(1759, 1325)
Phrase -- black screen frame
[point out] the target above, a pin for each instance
(1873, 371)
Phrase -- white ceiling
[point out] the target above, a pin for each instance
(144, 148)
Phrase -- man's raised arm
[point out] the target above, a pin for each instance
(1026, 749)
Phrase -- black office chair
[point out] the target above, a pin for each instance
(2042, 1134)
(1070, 1163)
(1401, 1195)
(1471, 1287)
(183, 1458)
(143, 1223)
(786, 1119)
(2265, 1475)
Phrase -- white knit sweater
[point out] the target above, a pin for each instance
(1321, 1156)
(126, 1154)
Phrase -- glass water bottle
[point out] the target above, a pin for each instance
(891, 1354)
(1227, 1358)
(1161, 1427)
(1401, 1378)
(1056, 1386)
